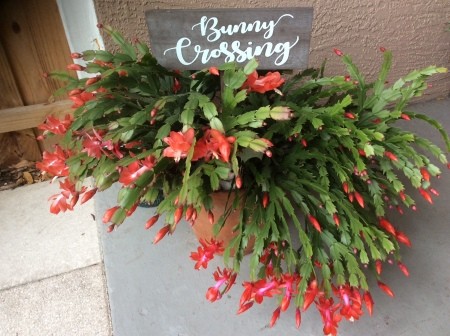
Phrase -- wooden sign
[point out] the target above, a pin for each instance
(195, 39)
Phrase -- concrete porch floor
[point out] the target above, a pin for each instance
(52, 274)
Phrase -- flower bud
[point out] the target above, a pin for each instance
(76, 67)
(281, 113)
(338, 52)
(76, 55)
(238, 182)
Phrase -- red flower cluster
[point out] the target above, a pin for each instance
(55, 125)
(206, 252)
(69, 197)
(349, 305)
(346, 301)
(54, 163)
(95, 146)
(80, 97)
(215, 145)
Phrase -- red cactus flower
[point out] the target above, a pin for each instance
(310, 295)
(95, 146)
(330, 319)
(179, 144)
(59, 203)
(213, 144)
(213, 294)
(351, 302)
(262, 84)
(79, 99)
(130, 173)
(57, 126)
(54, 163)
(222, 277)
(206, 252)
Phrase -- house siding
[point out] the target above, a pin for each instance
(415, 31)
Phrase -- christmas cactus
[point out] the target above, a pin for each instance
(314, 163)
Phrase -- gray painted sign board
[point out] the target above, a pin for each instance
(196, 39)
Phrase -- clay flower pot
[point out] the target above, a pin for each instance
(203, 229)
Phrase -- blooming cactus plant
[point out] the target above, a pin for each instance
(315, 162)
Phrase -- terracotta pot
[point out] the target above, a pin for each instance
(203, 229)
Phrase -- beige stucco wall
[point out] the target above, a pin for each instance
(415, 30)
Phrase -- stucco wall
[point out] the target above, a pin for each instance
(415, 30)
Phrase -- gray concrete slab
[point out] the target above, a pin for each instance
(69, 304)
(154, 290)
(36, 244)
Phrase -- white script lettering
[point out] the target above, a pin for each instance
(209, 28)
(232, 52)
(192, 51)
